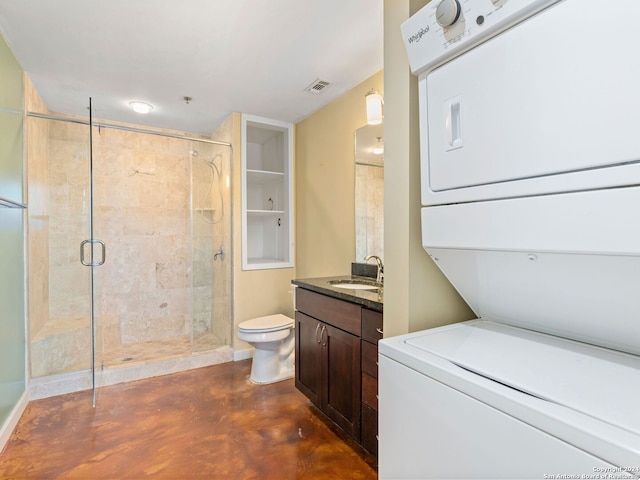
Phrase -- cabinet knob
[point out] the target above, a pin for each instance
(379, 330)
(317, 338)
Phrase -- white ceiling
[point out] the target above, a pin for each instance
(251, 56)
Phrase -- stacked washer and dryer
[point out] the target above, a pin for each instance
(530, 164)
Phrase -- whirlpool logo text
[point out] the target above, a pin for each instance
(416, 37)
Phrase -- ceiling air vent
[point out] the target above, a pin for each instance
(317, 86)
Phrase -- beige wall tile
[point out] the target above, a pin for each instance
(142, 203)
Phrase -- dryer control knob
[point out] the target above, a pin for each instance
(448, 12)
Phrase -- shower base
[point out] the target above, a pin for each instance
(145, 352)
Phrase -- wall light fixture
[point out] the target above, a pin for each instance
(374, 107)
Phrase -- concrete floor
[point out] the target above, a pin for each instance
(206, 423)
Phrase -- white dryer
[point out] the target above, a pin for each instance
(530, 164)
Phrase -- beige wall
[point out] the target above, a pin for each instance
(255, 292)
(325, 184)
(417, 295)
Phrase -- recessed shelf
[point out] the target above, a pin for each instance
(263, 176)
(266, 213)
(265, 260)
(267, 193)
(207, 213)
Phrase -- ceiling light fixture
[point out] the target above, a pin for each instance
(141, 107)
(374, 107)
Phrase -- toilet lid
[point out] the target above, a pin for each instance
(269, 323)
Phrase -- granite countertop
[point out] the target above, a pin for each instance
(372, 299)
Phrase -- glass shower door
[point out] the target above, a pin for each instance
(164, 292)
(162, 289)
(59, 216)
(142, 294)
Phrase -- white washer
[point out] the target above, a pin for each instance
(485, 400)
(530, 163)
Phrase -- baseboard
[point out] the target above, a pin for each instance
(7, 428)
(242, 354)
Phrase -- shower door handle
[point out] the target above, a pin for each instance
(103, 249)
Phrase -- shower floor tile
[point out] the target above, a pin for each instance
(144, 352)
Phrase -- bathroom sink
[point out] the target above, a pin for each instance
(355, 284)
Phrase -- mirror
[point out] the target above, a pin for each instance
(369, 191)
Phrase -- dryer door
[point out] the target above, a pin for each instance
(543, 107)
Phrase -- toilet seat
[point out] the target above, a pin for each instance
(270, 323)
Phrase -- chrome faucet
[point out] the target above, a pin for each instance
(380, 276)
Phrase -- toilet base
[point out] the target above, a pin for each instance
(284, 374)
(273, 361)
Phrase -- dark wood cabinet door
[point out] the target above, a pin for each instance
(341, 399)
(371, 326)
(308, 357)
(370, 430)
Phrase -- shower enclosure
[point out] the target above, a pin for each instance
(160, 284)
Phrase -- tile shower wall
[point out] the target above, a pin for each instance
(59, 302)
(37, 144)
(369, 210)
(142, 205)
(145, 306)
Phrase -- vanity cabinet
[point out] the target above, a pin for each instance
(328, 357)
(371, 334)
(267, 193)
(337, 362)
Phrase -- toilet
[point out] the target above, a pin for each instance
(274, 340)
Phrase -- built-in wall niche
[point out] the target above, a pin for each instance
(267, 199)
